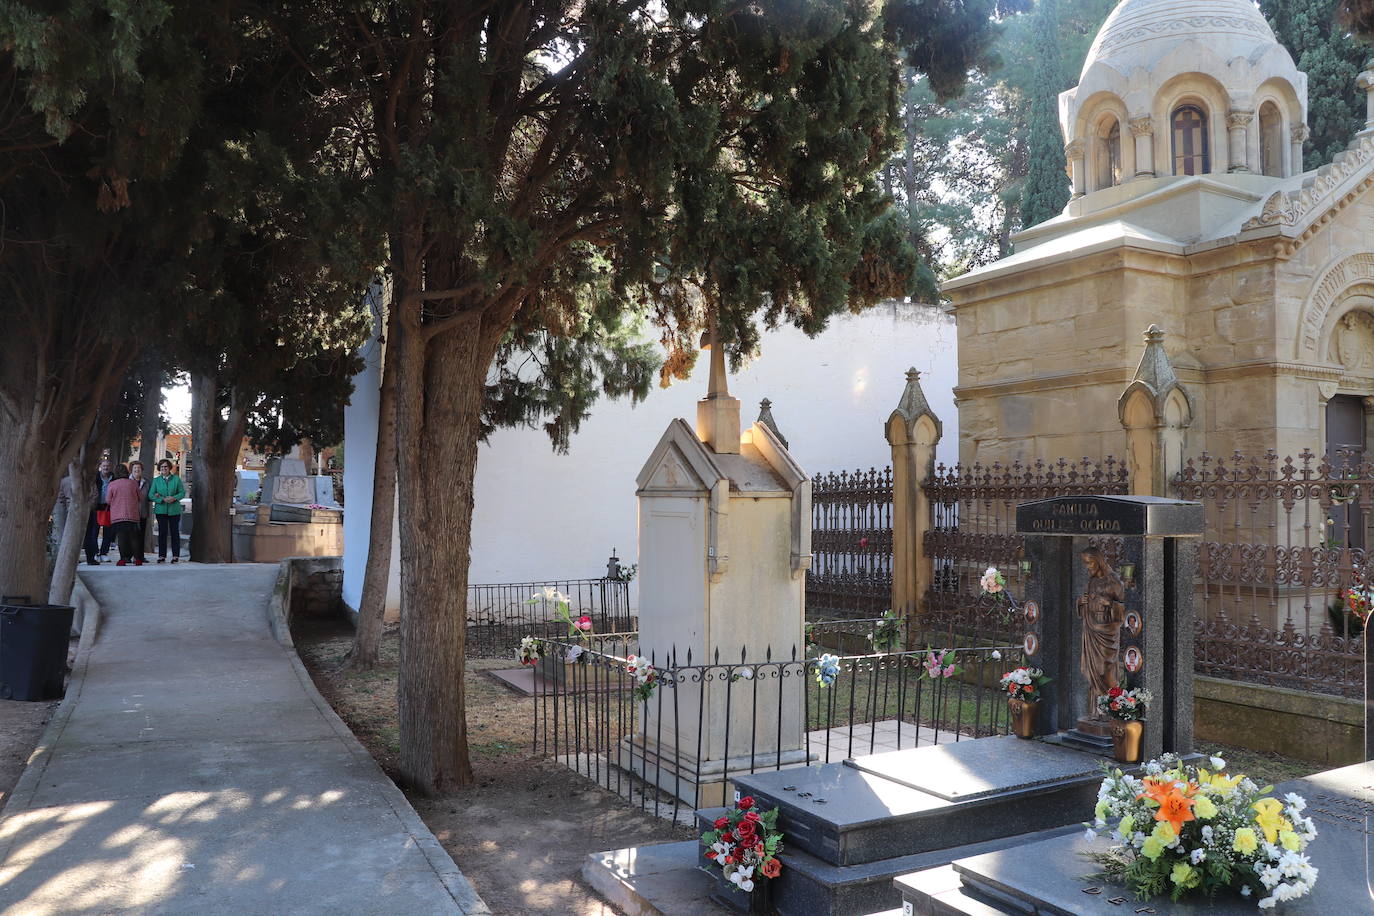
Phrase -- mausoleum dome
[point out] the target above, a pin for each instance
(1140, 33)
(1184, 87)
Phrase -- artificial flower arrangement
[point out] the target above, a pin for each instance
(1024, 683)
(994, 586)
(827, 669)
(887, 635)
(745, 844)
(1126, 705)
(530, 651)
(1182, 828)
(645, 675)
(938, 665)
(578, 627)
(1359, 598)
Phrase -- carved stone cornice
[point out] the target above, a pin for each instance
(1326, 191)
(1142, 127)
(1299, 133)
(1073, 149)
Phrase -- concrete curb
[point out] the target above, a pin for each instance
(454, 881)
(32, 776)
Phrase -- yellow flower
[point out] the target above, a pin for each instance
(1164, 832)
(1269, 817)
(1126, 827)
(1204, 808)
(1152, 849)
(1245, 841)
(1289, 840)
(1219, 782)
(1184, 875)
(1101, 809)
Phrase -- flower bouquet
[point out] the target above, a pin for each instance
(1359, 599)
(645, 677)
(745, 844)
(937, 664)
(1127, 709)
(530, 651)
(827, 669)
(1182, 828)
(994, 586)
(887, 635)
(1023, 698)
(578, 627)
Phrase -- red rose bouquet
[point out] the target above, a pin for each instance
(745, 844)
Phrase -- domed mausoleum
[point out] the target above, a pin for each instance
(1191, 214)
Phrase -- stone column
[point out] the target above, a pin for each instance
(1365, 81)
(1297, 134)
(1238, 127)
(912, 431)
(1077, 167)
(1144, 132)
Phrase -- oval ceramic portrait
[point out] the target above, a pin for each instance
(1133, 623)
(1031, 644)
(1032, 612)
(1133, 659)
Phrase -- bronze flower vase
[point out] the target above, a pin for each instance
(1126, 740)
(1023, 717)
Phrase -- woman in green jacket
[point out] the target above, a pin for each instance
(166, 493)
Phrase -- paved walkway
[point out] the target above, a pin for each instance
(194, 769)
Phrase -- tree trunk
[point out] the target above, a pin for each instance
(372, 606)
(74, 532)
(151, 420)
(26, 500)
(214, 452)
(439, 396)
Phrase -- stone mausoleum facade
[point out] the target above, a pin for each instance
(1190, 213)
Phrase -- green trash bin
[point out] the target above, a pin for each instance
(33, 649)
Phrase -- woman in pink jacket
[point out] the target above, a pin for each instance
(125, 501)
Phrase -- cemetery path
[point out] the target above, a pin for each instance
(194, 768)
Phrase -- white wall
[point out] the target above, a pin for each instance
(545, 516)
(360, 452)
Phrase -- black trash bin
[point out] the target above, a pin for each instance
(33, 650)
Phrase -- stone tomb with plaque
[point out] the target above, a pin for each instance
(1050, 876)
(1109, 602)
(291, 519)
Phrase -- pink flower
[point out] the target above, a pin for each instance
(949, 671)
(584, 623)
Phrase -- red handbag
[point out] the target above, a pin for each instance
(102, 517)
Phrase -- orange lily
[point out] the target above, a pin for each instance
(1176, 809)
(1157, 790)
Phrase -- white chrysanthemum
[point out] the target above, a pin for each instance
(1295, 801)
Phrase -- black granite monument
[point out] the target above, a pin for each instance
(1109, 601)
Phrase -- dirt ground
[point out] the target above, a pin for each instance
(522, 832)
(21, 725)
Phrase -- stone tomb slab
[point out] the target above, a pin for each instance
(845, 815)
(1050, 876)
(969, 770)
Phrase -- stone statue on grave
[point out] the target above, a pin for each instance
(1102, 608)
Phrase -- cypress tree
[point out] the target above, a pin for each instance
(1046, 190)
(1331, 58)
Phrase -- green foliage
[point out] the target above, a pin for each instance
(1046, 190)
(1331, 58)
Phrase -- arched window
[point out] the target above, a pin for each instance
(1271, 140)
(1107, 167)
(1190, 141)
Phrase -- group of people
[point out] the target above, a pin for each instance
(122, 506)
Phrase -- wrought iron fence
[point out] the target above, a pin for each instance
(973, 524)
(851, 544)
(499, 615)
(1285, 541)
(678, 746)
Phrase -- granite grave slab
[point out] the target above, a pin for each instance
(873, 808)
(1052, 877)
(969, 770)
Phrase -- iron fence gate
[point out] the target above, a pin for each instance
(851, 544)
